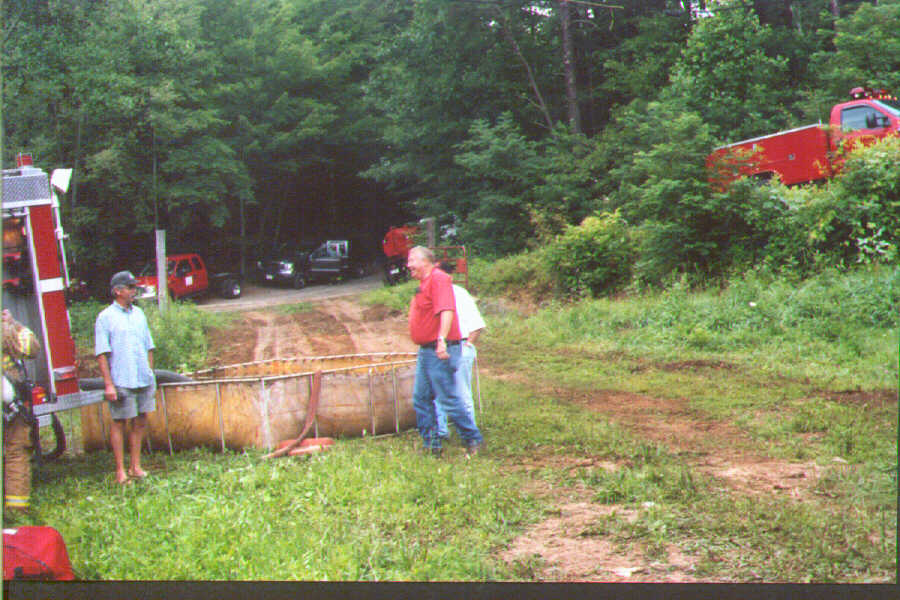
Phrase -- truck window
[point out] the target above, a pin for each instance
(183, 268)
(196, 262)
(862, 117)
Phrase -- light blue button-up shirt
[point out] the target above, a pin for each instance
(124, 334)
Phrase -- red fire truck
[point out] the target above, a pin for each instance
(396, 245)
(813, 152)
(35, 279)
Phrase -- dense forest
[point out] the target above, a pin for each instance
(516, 122)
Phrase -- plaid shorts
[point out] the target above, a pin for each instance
(133, 401)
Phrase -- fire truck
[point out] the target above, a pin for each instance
(396, 245)
(814, 152)
(35, 280)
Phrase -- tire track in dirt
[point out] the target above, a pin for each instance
(307, 333)
(331, 327)
(714, 448)
(572, 545)
(373, 329)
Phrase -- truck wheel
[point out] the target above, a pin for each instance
(231, 288)
(359, 271)
(388, 276)
(299, 281)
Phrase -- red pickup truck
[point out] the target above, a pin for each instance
(813, 152)
(187, 277)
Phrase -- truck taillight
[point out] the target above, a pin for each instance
(38, 395)
(23, 160)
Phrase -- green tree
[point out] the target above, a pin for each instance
(733, 74)
(866, 52)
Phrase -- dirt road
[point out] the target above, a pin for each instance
(255, 296)
(337, 325)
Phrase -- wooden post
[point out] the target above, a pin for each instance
(162, 282)
(429, 228)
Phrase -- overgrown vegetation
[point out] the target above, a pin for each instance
(388, 100)
(369, 510)
(797, 232)
(179, 334)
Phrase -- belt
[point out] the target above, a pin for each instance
(433, 345)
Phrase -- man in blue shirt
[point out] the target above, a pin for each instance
(124, 348)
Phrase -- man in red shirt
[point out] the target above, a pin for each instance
(434, 326)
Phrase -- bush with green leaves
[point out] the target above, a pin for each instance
(517, 275)
(592, 258)
(865, 50)
(852, 219)
(180, 336)
(517, 192)
(868, 200)
(682, 225)
(179, 333)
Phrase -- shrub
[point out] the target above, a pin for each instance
(592, 258)
(868, 201)
(179, 335)
(396, 297)
(82, 316)
(852, 219)
(523, 274)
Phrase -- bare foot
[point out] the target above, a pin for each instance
(138, 473)
(122, 479)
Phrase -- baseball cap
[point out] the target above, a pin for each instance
(122, 278)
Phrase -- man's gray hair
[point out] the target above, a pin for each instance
(424, 252)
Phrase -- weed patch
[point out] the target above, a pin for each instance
(367, 510)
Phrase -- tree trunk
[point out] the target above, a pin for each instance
(835, 8)
(778, 14)
(569, 67)
(795, 16)
(542, 106)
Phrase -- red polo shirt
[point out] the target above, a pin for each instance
(435, 295)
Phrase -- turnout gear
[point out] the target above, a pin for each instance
(18, 343)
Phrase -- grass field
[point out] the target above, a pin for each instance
(778, 372)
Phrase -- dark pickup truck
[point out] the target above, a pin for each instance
(333, 259)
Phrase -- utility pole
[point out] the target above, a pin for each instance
(162, 281)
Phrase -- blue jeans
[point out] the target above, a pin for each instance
(463, 378)
(436, 386)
